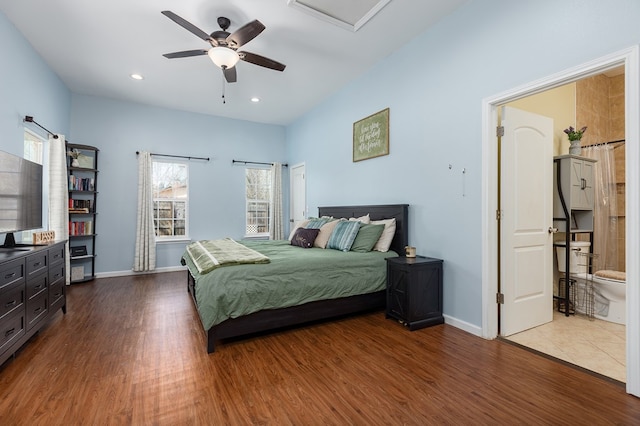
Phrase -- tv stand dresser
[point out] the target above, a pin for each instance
(32, 289)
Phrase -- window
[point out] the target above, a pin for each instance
(33, 151)
(258, 196)
(170, 200)
(33, 147)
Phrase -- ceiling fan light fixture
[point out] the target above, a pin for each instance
(223, 57)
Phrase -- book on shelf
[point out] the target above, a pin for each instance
(80, 206)
(81, 184)
(80, 227)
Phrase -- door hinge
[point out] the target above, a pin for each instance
(498, 214)
(500, 298)
(500, 131)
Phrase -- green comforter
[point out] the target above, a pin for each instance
(294, 276)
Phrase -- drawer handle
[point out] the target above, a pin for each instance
(10, 304)
(35, 265)
(9, 332)
(11, 275)
(37, 287)
(58, 294)
(36, 310)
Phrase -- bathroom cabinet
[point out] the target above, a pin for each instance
(414, 291)
(573, 205)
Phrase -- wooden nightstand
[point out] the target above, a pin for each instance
(414, 291)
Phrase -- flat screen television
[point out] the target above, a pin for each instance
(20, 196)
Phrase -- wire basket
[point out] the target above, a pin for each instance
(583, 288)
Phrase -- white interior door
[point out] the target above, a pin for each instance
(298, 194)
(526, 243)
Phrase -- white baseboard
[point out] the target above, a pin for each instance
(131, 272)
(463, 325)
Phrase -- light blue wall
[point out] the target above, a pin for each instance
(434, 87)
(27, 87)
(216, 187)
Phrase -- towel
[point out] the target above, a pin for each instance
(614, 275)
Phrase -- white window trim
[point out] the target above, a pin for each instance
(163, 239)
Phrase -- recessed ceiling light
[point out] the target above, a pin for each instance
(137, 77)
(255, 99)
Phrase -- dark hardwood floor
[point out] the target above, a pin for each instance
(132, 351)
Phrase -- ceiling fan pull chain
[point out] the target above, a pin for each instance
(224, 101)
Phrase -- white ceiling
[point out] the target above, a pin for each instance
(94, 45)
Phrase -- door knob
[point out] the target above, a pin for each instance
(553, 230)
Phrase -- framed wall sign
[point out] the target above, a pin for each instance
(371, 136)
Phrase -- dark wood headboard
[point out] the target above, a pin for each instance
(377, 212)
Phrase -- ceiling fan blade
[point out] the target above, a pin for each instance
(185, 53)
(245, 34)
(230, 74)
(261, 61)
(188, 26)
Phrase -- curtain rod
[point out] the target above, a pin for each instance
(177, 156)
(605, 143)
(30, 119)
(256, 162)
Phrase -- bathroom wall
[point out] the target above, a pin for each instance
(600, 106)
(558, 104)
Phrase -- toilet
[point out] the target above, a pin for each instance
(610, 290)
(609, 287)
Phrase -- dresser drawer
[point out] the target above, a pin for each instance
(56, 254)
(37, 309)
(36, 263)
(11, 330)
(36, 285)
(56, 272)
(11, 299)
(56, 294)
(12, 272)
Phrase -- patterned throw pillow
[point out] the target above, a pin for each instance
(304, 237)
(316, 223)
(343, 235)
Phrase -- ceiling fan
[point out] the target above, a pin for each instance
(224, 45)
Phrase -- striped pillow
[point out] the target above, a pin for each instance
(316, 223)
(343, 235)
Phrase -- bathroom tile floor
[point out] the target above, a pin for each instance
(596, 345)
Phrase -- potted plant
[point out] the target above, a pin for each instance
(574, 139)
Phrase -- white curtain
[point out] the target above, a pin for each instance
(145, 254)
(605, 226)
(59, 195)
(276, 230)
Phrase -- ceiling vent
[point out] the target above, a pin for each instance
(350, 15)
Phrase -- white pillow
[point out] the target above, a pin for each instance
(298, 224)
(384, 242)
(365, 220)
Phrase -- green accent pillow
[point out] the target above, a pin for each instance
(343, 235)
(367, 237)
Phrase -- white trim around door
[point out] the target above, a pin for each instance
(629, 58)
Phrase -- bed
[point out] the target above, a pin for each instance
(274, 317)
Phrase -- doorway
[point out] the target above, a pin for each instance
(629, 59)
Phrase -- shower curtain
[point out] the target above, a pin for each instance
(605, 223)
